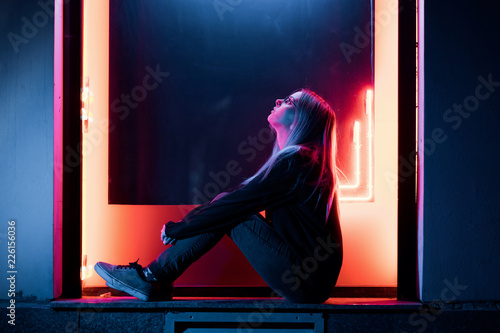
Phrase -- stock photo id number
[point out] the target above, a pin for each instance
(11, 271)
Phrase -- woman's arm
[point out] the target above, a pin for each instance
(219, 196)
(279, 187)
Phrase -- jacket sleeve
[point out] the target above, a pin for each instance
(279, 187)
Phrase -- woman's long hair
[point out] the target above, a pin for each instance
(313, 129)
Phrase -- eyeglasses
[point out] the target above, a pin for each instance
(287, 100)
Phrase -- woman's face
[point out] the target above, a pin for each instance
(283, 113)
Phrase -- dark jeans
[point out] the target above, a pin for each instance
(268, 254)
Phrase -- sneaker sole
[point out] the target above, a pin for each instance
(117, 284)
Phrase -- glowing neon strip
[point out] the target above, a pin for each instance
(85, 87)
(369, 112)
(357, 147)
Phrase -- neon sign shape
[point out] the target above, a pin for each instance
(362, 188)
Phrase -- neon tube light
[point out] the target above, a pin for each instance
(357, 146)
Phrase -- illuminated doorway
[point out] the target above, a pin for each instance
(369, 207)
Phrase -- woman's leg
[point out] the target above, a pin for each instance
(276, 263)
(269, 255)
(173, 261)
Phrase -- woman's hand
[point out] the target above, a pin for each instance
(165, 239)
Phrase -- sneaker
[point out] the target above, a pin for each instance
(126, 278)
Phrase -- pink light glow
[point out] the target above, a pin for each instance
(58, 147)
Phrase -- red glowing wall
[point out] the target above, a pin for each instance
(120, 233)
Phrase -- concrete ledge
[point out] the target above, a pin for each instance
(226, 303)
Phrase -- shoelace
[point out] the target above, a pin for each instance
(131, 265)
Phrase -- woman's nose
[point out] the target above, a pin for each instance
(278, 102)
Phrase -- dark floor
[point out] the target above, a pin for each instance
(245, 315)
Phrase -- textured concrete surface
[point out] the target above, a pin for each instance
(36, 317)
(447, 321)
(121, 321)
(197, 303)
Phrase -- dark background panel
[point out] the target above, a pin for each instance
(172, 144)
